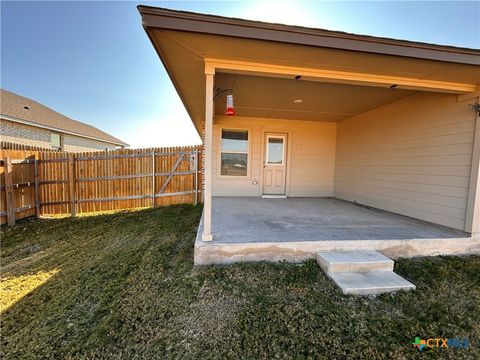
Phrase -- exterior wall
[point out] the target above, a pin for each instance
(78, 144)
(33, 136)
(412, 157)
(310, 156)
(24, 134)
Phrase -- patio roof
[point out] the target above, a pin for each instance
(243, 52)
(155, 17)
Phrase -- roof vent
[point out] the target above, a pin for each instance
(26, 107)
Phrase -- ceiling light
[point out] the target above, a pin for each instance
(297, 101)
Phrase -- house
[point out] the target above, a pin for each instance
(338, 141)
(27, 122)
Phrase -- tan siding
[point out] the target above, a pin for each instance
(312, 156)
(412, 157)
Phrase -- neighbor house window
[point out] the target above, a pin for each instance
(56, 141)
(234, 152)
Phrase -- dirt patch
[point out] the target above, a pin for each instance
(211, 314)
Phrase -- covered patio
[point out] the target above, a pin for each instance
(294, 229)
(323, 121)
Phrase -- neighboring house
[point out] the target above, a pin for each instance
(386, 123)
(27, 122)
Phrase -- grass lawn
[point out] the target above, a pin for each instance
(123, 286)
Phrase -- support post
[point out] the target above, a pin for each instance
(207, 203)
(7, 171)
(72, 183)
(472, 223)
(196, 176)
(37, 188)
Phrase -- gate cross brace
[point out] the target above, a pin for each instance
(172, 172)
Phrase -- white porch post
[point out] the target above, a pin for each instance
(472, 223)
(207, 201)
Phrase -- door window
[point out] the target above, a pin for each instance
(275, 151)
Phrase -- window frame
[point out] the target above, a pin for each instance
(247, 152)
(267, 152)
(60, 139)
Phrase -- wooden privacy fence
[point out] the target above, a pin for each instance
(46, 183)
(5, 145)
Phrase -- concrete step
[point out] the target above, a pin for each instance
(353, 261)
(370, 283)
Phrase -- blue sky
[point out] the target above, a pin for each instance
(93, 62)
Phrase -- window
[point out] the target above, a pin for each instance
(56, 141)
(234, 152)
(275, 151)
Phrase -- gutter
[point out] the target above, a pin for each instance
(34, 124)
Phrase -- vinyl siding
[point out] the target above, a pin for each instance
(311, 146)
(412, 157)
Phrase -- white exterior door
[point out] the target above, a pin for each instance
(274, 164)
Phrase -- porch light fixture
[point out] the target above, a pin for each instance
(297, 101)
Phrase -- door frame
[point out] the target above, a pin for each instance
(287, 152)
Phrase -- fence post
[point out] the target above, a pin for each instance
(37, 187)
(7, 171)
(73, 202)
(153, 178)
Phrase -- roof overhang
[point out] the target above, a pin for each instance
(153, 17)
(191, 44)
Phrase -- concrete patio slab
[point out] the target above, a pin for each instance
(295, 229)
(248, 219)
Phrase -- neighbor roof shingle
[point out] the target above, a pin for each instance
(22, 108)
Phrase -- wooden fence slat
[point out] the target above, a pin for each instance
(73, 203)
(153, 179)
(37, 188)
(10, 208)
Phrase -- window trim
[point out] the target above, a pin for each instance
(60, 138)
(220, 152)
(283, 137)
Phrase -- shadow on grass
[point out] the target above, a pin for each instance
(126, 287)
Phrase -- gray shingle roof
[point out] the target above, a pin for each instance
(22, 108)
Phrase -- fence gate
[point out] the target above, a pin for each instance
(191, 157)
